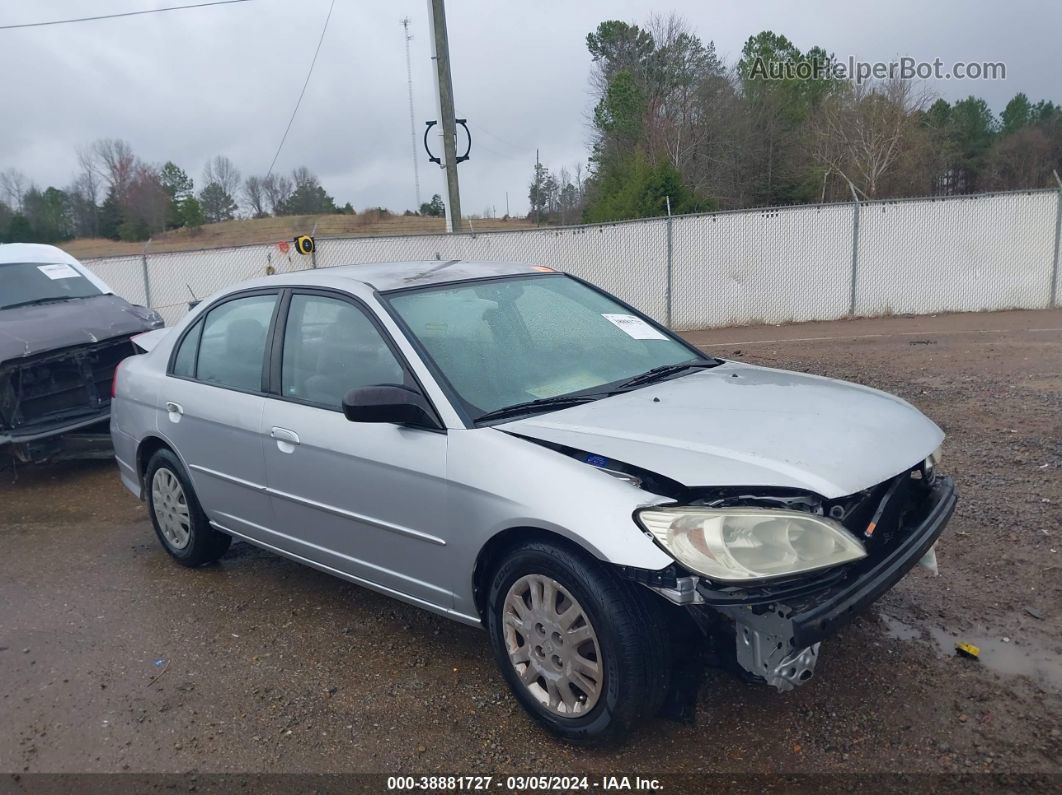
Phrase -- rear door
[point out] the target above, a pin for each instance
(366, 499)
(212, 404)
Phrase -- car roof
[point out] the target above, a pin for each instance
(34, 252)
(385, 276)
(40, 253)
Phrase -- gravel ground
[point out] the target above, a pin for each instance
(113, 658)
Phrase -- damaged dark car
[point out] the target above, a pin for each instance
(62, 334)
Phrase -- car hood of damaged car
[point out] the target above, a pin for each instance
(743, 425)
(38, 328)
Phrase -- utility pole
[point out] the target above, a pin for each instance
(440, 53)
(412, 125)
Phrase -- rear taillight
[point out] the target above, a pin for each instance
(114, 380)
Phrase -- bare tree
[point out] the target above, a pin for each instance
(13, 187)
(84, 193)
(277, 190)
(303, 176)
(83, 209)
(147, 201)
(88, 178)
(115, 162)
(255, 196)
(681, 63)
(863, 133)
(222, 171)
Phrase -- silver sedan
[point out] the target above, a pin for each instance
(513, 448)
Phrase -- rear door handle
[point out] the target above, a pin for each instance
(174, 410)
(285, 439)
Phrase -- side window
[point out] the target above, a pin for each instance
(330, 348)
(184, 361)
(233, 342)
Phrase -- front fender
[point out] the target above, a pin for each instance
(499, 482)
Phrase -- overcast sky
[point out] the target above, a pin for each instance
(187, 85)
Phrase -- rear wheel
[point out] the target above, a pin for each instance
(179, 521)
(583, 651)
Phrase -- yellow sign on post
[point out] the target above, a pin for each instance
(304, 244)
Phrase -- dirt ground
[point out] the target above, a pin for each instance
(247, 231)
(114, 658)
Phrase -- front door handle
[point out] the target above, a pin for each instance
(286, 440)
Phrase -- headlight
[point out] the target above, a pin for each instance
(742, 544)
(929, 466)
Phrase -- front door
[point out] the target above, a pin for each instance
(366, 499)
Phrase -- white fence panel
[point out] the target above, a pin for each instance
(961, 254)
(773, 265)
(627, 259)
(354, 251)
(124, 275)
(181, 277)
(765, 266)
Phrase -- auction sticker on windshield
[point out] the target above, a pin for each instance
(58, 271)
(634, 327)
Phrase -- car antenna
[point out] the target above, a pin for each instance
(195, 299)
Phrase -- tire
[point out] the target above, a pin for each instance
(627, 635)
(178, 518)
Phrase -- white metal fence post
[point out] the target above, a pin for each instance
(667, 289)
(147, 276)
(855, 248)
(1051, 299)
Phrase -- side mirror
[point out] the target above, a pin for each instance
(394, 404)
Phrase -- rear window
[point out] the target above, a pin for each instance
(184, 362)
(38, 282)
(233, 341)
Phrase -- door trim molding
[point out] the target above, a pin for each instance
(322, 506)
(230, 478)
(317, 564)
(357, 517)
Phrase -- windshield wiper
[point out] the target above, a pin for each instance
(542, 404)
(33, 301)
(665, 370)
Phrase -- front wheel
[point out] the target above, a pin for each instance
(584, 652)
(179, 520)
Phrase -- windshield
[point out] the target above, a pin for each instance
(502, 342)
(21, 282)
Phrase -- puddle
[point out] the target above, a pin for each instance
(1010, 659)
(897, 629)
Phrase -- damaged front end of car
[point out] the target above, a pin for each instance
(731, 576)
(766, 574)
(61, 392)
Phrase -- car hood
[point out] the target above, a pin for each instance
(741, 425)
(38, 328)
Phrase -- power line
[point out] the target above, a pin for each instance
(499, 139)
(302, 93)
(122, 14)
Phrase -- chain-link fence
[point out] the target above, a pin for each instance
(773, 265)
